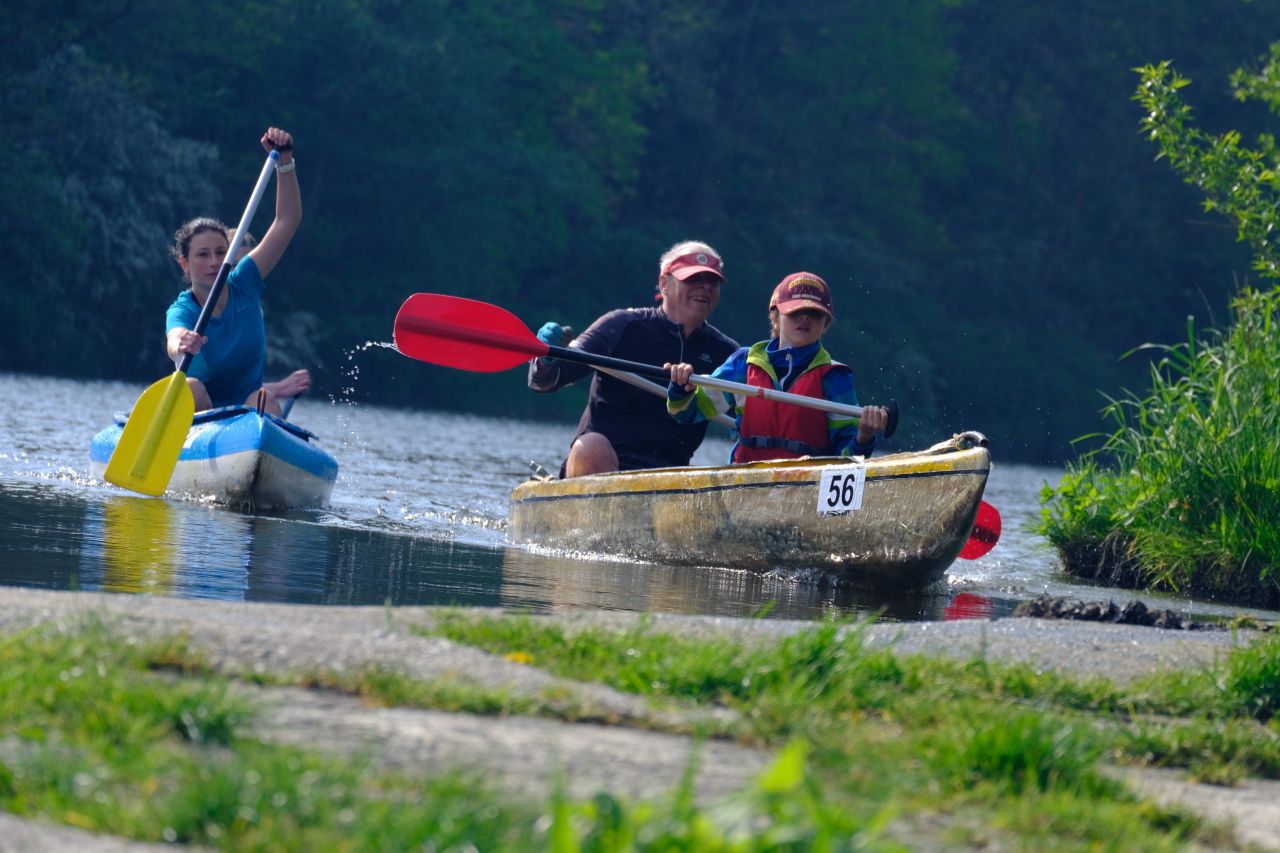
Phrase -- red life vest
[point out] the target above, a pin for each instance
(770, 430)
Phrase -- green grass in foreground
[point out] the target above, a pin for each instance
(870, 747)
(92, 736)
(1006, 746)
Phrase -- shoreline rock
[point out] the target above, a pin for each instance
(1133, 613)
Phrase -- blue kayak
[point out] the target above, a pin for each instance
(239, 456)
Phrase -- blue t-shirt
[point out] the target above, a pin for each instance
(232, 363)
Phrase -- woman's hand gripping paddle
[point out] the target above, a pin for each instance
(147, 452)
(470, 335)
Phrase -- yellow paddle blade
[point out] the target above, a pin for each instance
(147, 452)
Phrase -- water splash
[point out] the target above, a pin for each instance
(349, 373)
(349, 437)
(575, 554)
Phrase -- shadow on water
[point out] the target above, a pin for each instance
(56, 539)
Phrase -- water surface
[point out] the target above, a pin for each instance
(418, 516)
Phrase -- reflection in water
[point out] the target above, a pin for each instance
(39, 540)
(139, 553)
(540, 580)
(129, 544)
(967, 605)
(150, 545)
(287, 561)
(377, 568)
(147, 545)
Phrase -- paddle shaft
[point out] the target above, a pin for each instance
(659, 391)
(468, 334)
(571, 354)
(206, 312)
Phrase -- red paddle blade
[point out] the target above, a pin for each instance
(985, 535)
(463, 333)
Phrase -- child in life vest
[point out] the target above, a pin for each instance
(795, 361)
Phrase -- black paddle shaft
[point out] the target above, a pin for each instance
(206, 313)
(571, 354)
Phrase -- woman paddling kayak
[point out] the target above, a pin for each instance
(228, 362)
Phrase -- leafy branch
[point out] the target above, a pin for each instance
(1241, 183)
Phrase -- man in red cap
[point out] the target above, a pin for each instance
(624, 427)
(793, 360)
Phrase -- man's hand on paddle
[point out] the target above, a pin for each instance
(554, 335)
(680, 374)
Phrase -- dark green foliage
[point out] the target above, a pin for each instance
(1239, 182)
(106, 188)
(43, 237)
(965, 174)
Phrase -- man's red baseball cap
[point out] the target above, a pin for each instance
(691, 264)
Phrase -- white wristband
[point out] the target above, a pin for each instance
(287, 167)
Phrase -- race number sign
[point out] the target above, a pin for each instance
(840, 489)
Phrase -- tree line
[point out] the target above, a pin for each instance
(970, 177)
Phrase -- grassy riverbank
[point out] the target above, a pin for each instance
(1190, 494)
(873, 749)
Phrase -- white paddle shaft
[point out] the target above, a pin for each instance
(772, 394)
(654, 388)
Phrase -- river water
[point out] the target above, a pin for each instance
(417, 520)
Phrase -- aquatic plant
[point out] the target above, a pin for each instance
(1192, 489)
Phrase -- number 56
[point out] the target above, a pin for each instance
(841, 490)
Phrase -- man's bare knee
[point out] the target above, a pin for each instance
(591, 454)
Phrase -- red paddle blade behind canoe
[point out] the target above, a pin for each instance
(985, 535)
(463, 333)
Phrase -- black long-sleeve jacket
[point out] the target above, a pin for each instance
(635, 421)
